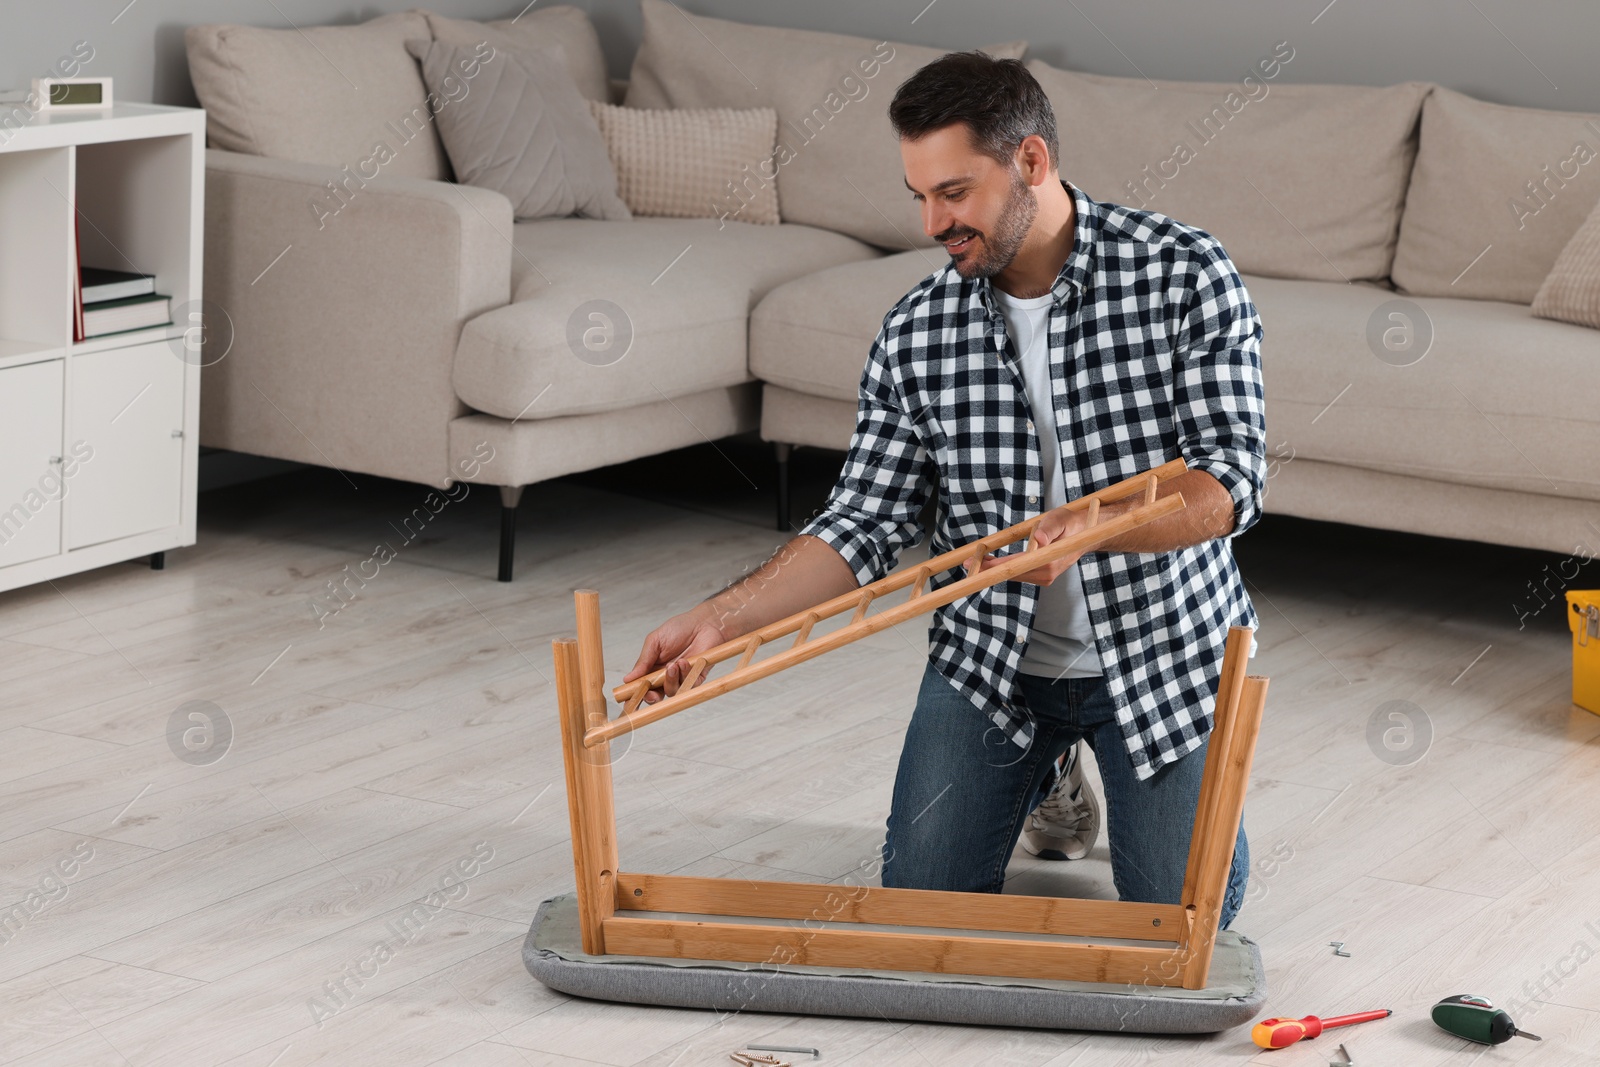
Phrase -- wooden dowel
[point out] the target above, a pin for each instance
(861, 608)
(804, 631)
(922, 575)
(1001, 570)
(750, 647)
(954, 558)
(1094, 512)
(1150, 489)
(696, 669)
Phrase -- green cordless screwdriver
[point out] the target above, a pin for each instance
(1476, 1019)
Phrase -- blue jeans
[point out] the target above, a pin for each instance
(963, 793)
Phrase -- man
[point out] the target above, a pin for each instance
(1067, 345)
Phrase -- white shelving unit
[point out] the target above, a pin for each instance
(99, 441)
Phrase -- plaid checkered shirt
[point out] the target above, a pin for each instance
(1155, 352)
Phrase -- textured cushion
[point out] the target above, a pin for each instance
(679, 295)
(837, 155)
(691, 162)
(322, 94)
(562, 24)
(1571, 291)
(1470, 192)
(518, 126)
(1296, 181)
(1235, 992)
(794, 346)
(1495, 402)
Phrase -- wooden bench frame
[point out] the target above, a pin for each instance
(1182, 935)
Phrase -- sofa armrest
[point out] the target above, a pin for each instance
(346, 299)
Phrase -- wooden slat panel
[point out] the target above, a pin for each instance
(936, 953)
(1124, 489)
(900, 907)
(1001, 570)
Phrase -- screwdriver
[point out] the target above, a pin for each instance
(1476, 1019)
(1279, 1033)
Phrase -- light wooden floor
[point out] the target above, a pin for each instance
(218, 904)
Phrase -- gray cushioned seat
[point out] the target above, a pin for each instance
(1234, 995)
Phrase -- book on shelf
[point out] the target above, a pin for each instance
(98, 283)
(77, 290)
(128, 313)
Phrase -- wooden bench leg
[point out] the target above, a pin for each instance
(580, 683)
(1236, 722)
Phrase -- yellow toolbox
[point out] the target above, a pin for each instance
(1584, 618)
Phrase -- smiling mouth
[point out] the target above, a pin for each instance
(957, 247)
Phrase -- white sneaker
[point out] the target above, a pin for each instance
(1066, 823)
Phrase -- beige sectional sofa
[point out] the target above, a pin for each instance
(403, 325)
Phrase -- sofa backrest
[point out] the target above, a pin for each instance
(1296, 181)
(1496, 194)
(837, 162)
(332, 94)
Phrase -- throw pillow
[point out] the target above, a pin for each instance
(324, 94)
(512, 120)
(561, 24)
(692, 162)
(1296, 181)
(1571, 291)
(836, 149)
(1495, 195)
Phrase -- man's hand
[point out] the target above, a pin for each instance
(674, 644)
(1056, 524)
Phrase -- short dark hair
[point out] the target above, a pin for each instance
(998, 100)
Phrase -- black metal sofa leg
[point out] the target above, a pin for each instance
(783, 450)
(510, 497)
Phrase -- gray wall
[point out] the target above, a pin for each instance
(1532, 54)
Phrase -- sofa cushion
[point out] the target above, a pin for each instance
(562, 24)
(1496, 195)
(607, 314)
(322, 94)
(837, 154)
(512, 121)
(1484, 405)
(681, 162)
(1571, 291)
(812, 334)
(1296, 181)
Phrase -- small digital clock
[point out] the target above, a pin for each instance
(52, 94)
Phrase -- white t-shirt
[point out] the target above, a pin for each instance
(1061, 644)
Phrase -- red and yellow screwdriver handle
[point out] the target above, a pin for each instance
(1280, 1033)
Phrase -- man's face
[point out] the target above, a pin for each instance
(979, 210)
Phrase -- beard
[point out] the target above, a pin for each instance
(988, 255)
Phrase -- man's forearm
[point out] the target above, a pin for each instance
(804, 572)
(1207, 514)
